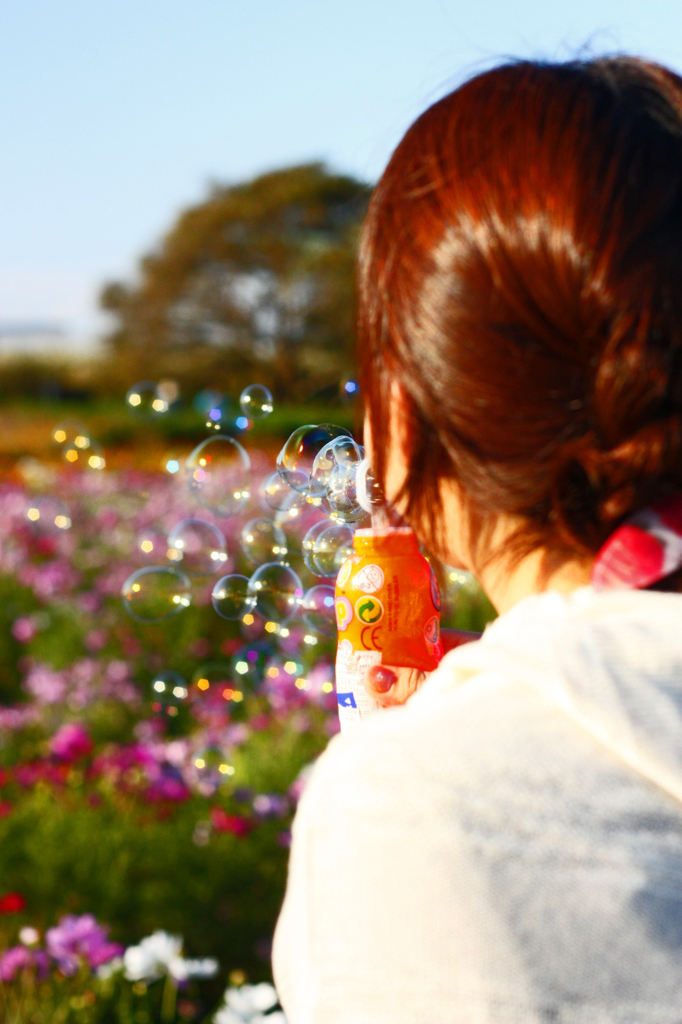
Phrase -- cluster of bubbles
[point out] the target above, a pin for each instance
(47, 516)
(78, 449)
(148, 399)
(320, 465)
(168, 691)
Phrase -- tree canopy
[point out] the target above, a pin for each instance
(256, 282)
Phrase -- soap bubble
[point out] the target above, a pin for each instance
(318, 609)
(155, 593)
(213, 679)
(47, 516)
(198, 545)
(219, 472)
(249, 662)
(332, 547)
(168, 391)
(263, 541)
(256, 401)
(280, 497)
(277, 590)
(295, 461)
(368, 490)
(82, 454)
(342, 494)
(152, 545)
(144, 399)
(69, 432)
(308, 545)
(342, 451)
(218, 415)
(231, 598)
(206, 400)
(168, 691)
(219, 412)
(212, 767)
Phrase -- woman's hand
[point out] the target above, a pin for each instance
(390, 685)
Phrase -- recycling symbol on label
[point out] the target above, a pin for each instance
(369, 610)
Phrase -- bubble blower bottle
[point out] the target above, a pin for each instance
(387, 606)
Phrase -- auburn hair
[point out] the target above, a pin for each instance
(520, 275)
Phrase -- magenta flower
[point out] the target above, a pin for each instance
(45, 684)
(168, 787)
(24, 629)
(80, 939)
(19, 958)
(71, 742)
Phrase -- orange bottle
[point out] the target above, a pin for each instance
(387, 611)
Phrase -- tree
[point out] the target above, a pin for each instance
(255, 283)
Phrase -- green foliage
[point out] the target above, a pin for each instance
(255, 282)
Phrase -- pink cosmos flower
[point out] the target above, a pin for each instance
(24, 629)
(18, 958)
(78, 939)
(46, 685)
(71, 742)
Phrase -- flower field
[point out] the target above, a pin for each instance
(148, 771)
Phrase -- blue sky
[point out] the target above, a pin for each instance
(115, 115)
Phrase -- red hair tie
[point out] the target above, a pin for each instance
(644, 550)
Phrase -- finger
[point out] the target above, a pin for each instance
(392, 685)
(382, 678)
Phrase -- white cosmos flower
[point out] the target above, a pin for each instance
(29, 936)
(182, 969)
(245, 1005)
(160, 954)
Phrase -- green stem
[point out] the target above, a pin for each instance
(169, 1000)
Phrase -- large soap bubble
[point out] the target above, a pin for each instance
(332, 547)
(219, 471)
(231, 598)
(296, 459)
(277, 591)
(144, 399)
(341, 451)
(318, 609)
(199, 546)
(212, 768)
(368, 490)
(342, 494)
(47, 516)
(263, 541)
(308, 545)
(82, 454)
(168, 691)
(256, 401)
(71, 432)
(155, 593)
(280, 497)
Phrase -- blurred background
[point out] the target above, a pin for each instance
(181, 191)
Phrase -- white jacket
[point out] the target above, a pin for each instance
(507, 847)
